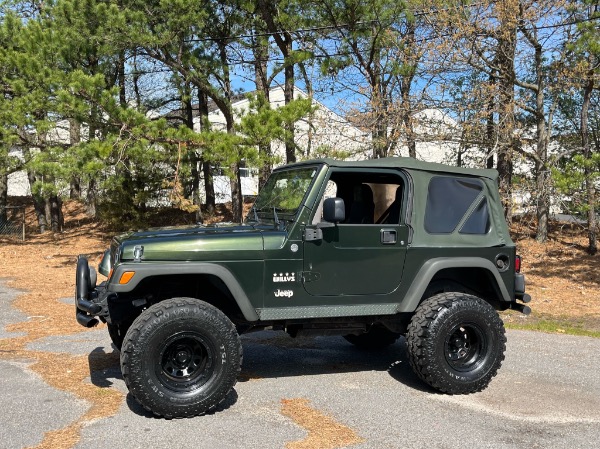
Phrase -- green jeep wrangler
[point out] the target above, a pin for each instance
(370, 250)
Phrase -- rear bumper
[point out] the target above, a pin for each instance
(520, 295)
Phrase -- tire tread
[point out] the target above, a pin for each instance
(419, 334)
(137, 327)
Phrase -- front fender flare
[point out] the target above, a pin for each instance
(432, 266)
(143, 271)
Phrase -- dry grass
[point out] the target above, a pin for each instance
(323, 431)
(562, 278)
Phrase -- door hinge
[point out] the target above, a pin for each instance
(310, 276)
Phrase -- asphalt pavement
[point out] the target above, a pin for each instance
(546, 395)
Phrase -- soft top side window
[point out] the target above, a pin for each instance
(479, 220)
(448, 200)
(369, 198)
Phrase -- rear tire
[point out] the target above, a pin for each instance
(181, 357)
(456, 343)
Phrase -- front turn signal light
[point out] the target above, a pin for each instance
(126, 277)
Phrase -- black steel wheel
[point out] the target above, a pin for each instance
(186, 362)
(464, 346)
(181, 357)
(456, 343)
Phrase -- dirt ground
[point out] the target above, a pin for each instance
(562, 278)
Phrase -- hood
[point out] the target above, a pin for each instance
(223, 241)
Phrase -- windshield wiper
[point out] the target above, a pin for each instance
(276, 218)
(256, 219)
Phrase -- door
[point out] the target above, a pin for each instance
(355, 260)
(364, 254)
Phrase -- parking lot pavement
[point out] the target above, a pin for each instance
(29, 407)
(8, 314)
(546, 395)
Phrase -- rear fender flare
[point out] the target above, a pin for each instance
(433, 266)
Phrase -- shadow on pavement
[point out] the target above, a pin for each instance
(278, 355)
(271, 355)
(104, 367)
(136, 408)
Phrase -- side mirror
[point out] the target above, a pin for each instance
(334, 210)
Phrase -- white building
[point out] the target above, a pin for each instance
(323, 133)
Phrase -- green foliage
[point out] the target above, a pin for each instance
(262, 124)
(570, 181)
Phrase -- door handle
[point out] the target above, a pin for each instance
(389, 236)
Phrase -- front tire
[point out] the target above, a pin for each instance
(117, 333)
(181, 357)
(456, 343)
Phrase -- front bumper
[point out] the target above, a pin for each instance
(87, 295)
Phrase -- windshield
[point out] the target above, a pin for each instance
(284, 191)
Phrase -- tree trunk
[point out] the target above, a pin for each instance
(290, 143)
(284, 41)
(236, 193)
(505, 55)
(209, 187)
(54, 205)
(379, 131)
(379, 106)
(135, 81)
(74, 139)
(405, 86)
(39, 205)
(260, 50)
(235, 180)
(90, 201)
(590, 188)
(121, 80)
(3, 196)
(490, 125)
(542, 172)
(195, 194)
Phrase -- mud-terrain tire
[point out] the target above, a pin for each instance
(456, 343)
(181, 357)
(376, 338)
(117, 333)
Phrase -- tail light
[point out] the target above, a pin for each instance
(517, 264)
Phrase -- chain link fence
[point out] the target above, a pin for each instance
(12, 222)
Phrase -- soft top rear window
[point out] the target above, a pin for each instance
(448, 200)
